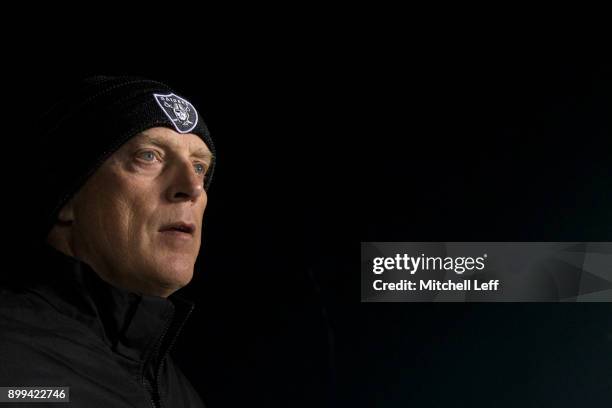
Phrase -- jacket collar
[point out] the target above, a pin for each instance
(139, 327)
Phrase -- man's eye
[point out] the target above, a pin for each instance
(200, 168)
(147, 155)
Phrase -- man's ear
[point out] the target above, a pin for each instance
(60, 234)
(66, 214)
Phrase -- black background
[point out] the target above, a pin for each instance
(324, 143)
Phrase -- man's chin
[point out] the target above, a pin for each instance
(173, 275)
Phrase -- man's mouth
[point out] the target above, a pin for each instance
(179, 228)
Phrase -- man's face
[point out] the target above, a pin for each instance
(138, 220)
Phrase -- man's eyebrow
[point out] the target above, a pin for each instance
(203, 154)
(200, 153)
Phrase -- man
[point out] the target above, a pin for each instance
(126, 165)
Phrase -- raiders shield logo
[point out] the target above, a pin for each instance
(182, 113)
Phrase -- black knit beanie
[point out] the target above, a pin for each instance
(93, 119)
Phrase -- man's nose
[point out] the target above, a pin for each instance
(185, 183)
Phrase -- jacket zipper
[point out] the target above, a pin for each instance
(150, 389)
(154, 388)
(161, 360)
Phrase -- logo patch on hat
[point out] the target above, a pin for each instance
(183, 115)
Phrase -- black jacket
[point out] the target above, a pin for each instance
(62, 325)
